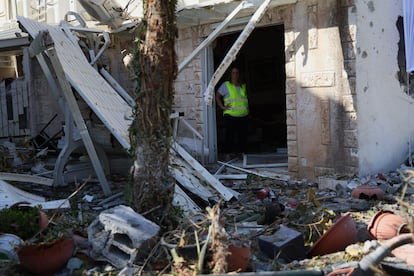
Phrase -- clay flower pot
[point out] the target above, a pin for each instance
(174, 240)
(368, 192)
(46, 258)
(239, 257)
(341, 234)
(385, 225)
(43, 221)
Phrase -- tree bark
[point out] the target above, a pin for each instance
(151, 133)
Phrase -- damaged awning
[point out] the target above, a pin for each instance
(9, 195)
(193, 13)
(107, 104)
(69, 62)
(12, 39)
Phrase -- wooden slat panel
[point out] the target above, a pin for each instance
(25, 93)
(3, 110)
(20, 103)
(14, 124)
(107, 104)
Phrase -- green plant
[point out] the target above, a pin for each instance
(21, 221)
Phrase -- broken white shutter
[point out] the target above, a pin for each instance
(408, 13)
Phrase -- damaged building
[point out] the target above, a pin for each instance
(326, 80)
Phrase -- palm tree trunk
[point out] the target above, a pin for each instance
(151, 132)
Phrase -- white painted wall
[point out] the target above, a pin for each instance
(385, 113)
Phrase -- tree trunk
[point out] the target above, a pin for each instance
(151, 133)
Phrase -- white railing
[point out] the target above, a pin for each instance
(194, 144)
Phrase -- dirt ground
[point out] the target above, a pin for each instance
(264, 206)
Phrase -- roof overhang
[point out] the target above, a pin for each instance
(13, 39)
(213, 11)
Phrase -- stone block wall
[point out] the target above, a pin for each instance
(329, 87)
(188, 97)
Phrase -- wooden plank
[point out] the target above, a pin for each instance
(20, 104)
(185, 202)
(183, 174)
(27, 76)
(225, 192)
(271, 175)
(25, 94)
(108, 105)
(10, 195)
(20, 85)
(3, 110)
(14, 124)
(26, 178)
(66, 90)
(124, 94)
(242, 176)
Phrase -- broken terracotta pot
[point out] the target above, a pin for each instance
(239, 257)
(385, 225)
(184, 244)
(341, 234)
(263, 193)
(368, 192)
(46, 258)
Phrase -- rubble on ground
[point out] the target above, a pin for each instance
(279, 220)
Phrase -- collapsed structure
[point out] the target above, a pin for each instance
(318, 73)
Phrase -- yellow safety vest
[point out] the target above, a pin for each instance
(236, 100)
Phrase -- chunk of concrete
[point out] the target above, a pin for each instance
(285, 243)
(121, 235)
(331, 183)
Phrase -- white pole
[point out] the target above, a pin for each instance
(232, 53)
(212, 36)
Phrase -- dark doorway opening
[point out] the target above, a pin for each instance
(261, 61)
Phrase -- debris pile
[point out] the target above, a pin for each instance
(248, 221)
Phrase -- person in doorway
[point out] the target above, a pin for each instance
(231, 97)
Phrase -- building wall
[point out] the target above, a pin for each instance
(188, 88)
(320, 84)
(385, 124)
(319, 81)
(335, 52)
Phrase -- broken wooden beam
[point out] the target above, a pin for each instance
(18, 177)
(271, 175)
(202, 172)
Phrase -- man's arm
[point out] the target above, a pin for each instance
(219, 100)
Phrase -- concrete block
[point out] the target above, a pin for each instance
(286, 244)
(331, 184)
(121, 235)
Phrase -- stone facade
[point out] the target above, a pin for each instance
(344, 105)
(320, 95)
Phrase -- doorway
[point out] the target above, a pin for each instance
(261, 61)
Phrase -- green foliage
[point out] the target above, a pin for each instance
(22, 222)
